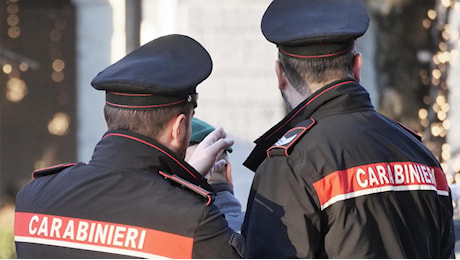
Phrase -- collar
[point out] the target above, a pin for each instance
(127, 151)
(337, 97)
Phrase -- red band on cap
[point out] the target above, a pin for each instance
(145, 100)
(130, 95)
(147, 106)
(318, 55)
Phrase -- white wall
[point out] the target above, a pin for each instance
(453, 136)
(100, 41)
(241, 94)
(94, 33)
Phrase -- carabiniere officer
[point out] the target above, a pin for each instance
(137, 197)
(334, 178)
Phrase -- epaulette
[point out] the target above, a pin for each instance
(51, 170)
(286, 143)
(412, 132)
(209, 196)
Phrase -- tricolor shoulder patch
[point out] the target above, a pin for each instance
(284, 145)
(51, 170)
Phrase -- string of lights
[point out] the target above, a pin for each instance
(435, 118)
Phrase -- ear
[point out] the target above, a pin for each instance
(282, 80)
(357, 63)
(178, 130)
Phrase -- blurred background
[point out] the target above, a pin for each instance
(51, 49)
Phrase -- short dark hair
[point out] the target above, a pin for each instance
(148, 122)
(301, 72)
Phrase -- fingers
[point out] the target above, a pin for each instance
(205, 155)
(215, 135)
(219, 165)
(220, 173)
(220, 145)
(216, 141)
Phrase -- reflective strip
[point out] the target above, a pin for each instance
(100, 236)
(379, 177)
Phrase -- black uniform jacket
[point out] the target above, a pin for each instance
(134, 199)
(343, 181)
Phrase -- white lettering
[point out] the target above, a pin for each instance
(413, 173)
(432, 175)
(382, 174)
(131, 236)
(101, 233)
(399, 176)
(361, 183)
(372, 178)
(33, 219)
(109, 239)
(69, 230)
(43, 229)
(425, 174)
(56, 225)
(142, 240)
(407, 173)
(91, 231)
(390, 174)
(420, 173)
(82, 231)
(119, 234)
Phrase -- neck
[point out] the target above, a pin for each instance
(315, 86)
(296, 98)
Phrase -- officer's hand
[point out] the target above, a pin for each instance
(205, 155)
(221, 173)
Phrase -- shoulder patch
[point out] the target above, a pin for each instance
(51, 170)
(284, 145)
(209, 196)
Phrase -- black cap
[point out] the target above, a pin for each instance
(162, 72)
(314, 28)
